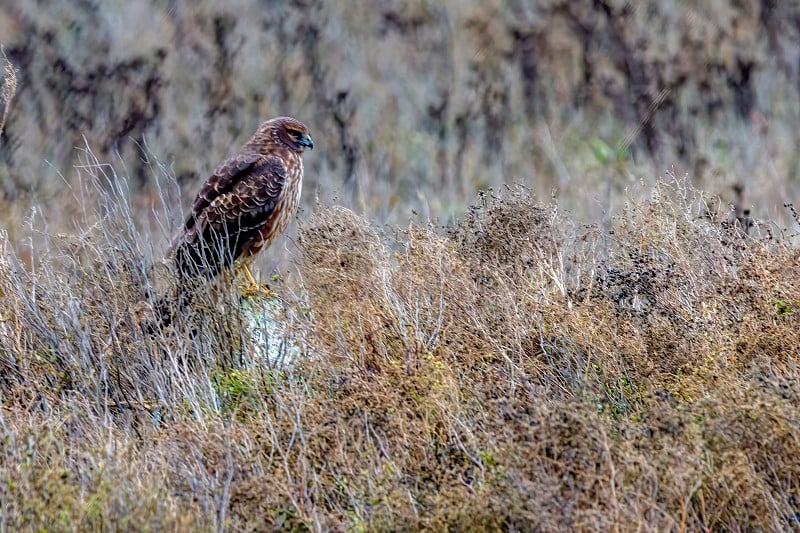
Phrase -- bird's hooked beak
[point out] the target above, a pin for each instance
(306, 141)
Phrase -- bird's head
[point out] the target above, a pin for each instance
(290, 132)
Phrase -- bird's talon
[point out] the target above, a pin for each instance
(267, 292)
(253, 290)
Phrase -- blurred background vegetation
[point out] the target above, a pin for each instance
(414, 105)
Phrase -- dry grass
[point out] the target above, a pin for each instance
(9, 89)
(513, 371)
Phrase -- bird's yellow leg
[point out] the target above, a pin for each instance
(249, 276)
(253, 288)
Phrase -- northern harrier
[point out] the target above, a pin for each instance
(248, 201)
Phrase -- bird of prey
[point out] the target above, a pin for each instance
(248, 201)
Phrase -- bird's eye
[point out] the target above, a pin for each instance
(295, 133)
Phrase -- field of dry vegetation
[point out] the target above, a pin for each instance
(510, 318)
(511, 371)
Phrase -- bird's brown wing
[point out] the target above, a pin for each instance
(228, 223)
(221, 182)
(250, 202)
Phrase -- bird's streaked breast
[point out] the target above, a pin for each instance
(285, 209)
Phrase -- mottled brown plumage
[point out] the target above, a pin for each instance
(246, 203)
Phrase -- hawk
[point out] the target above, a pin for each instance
(248, 201)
